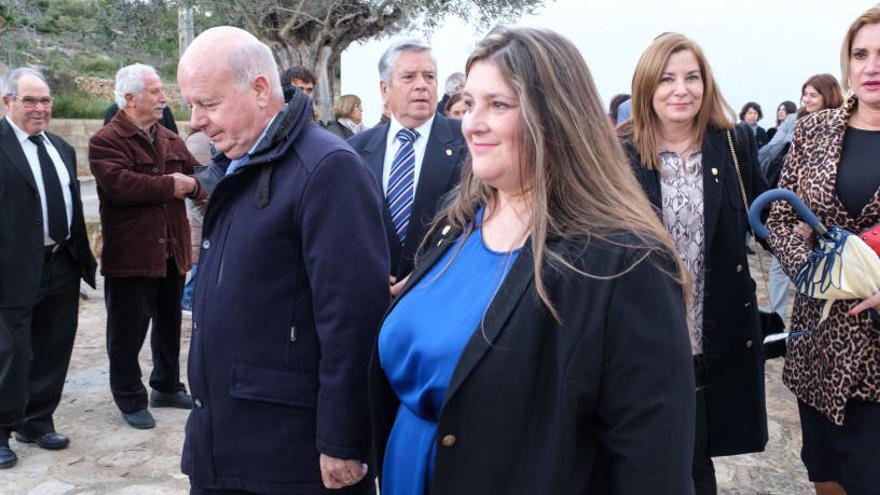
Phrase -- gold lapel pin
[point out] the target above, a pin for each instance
(448, 152)
(715, 173)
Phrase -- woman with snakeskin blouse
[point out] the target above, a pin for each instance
(834, 368)
(695, 166)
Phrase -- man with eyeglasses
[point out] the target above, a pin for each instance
(44, 252)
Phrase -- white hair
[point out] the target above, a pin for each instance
(386, 63)
(247, 57)
(130, 81)
(10, 83)
(454, 79)
(252, 59)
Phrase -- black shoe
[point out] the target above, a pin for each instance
(142, 420)
(179, 399)
(7, 457)
(48, 441)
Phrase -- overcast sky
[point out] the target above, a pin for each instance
(761, 50)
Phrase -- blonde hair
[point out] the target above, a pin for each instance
(870, 16)
(343, 107)
(579, 179)
(643, 128)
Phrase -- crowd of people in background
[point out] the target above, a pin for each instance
(544, 297)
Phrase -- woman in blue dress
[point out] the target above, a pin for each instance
(540, 345)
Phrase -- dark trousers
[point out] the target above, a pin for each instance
(703, 469)
(35, 347)
(131, 303)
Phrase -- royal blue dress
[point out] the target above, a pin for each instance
(420, 343)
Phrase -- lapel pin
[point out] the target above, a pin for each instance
(446, 230)
(715, 173)
(448, 152)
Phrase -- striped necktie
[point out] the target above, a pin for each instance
(401, 182)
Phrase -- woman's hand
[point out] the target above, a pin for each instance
(872, 302)
(805, 232)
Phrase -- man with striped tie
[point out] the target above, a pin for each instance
(416, 156)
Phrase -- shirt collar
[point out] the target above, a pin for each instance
(424, 130)
(20, 134)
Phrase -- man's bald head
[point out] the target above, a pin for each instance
(246, 57)
(230, 81)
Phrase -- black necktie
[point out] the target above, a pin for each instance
(57, 211)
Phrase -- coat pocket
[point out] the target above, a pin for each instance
(274, 385)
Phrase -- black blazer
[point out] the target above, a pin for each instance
(21, 222)
(601, 404)
(441, 171)
(731, 330)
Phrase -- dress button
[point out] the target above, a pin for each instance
(155, 170)
(206, 244)
(198, 403)
(448, 441)
(739, 268)
(161, 241)
(749, 344)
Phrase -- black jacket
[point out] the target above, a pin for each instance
(731, 332)
(21, 222)
(600, 404)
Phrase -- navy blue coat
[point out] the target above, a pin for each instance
(291, 287)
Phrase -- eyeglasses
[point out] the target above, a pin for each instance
(30, 102)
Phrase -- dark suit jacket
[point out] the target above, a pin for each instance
(21, 222)
(731, 331)
(441, 170)
(602, 403)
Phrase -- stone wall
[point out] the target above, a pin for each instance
(77, 132)
(103, 88)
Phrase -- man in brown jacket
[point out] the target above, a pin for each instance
(143, 173)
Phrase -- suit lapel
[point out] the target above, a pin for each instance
(10, 146)
(437, 166)
(715, 172)
(516, 282)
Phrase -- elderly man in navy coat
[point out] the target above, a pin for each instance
(416, 156)
(291, 286)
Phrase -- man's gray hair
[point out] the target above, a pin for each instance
(454, 79)
(249, 60)
(10, 83)
(386, 63)
(130, 80)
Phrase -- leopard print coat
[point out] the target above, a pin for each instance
(841, 359)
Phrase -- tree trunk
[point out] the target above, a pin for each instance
(317, 58)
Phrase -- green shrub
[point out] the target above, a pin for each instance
(78, 106)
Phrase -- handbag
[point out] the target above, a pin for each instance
(772, 325)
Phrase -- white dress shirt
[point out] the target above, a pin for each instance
(392, 144)
(30, 152)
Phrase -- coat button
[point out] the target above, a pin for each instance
(198, 403)
(39, 221)
(206, 244)
(749, 344)
(155, 170)
(195, 326)
(161, 241)
(448, 441)
(739, 268)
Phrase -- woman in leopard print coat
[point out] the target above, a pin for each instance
(834, 370)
